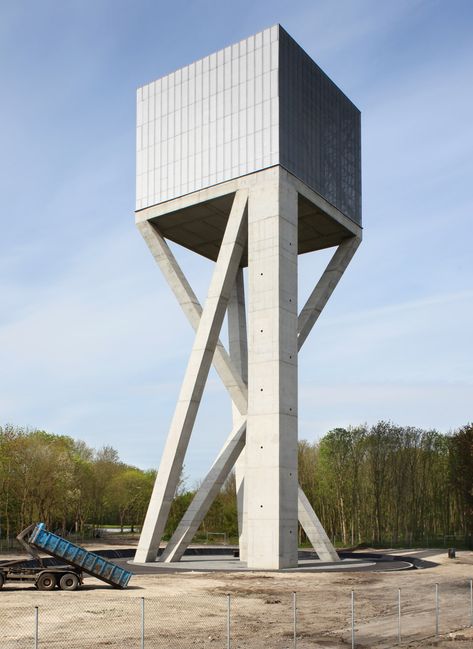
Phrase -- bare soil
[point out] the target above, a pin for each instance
(190, 610)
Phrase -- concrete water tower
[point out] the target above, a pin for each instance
(249, 157)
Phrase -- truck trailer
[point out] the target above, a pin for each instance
(69, 576)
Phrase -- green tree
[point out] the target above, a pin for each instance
(461, 474)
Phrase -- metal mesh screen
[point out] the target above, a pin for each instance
(320, 130)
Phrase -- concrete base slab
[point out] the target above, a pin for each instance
(222, 560)
(218, 563)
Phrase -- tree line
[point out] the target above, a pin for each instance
(66, 484)
(378, 484)
(391, 484)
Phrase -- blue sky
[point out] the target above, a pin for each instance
(92, 343)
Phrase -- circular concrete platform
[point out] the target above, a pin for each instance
(221, 563)
(222, 560)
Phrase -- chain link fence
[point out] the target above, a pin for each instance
(255, 619)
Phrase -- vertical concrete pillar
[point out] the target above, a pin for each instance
(238, 347)
(271, 482)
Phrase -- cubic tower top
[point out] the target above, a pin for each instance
(253, 105)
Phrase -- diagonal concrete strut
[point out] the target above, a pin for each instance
(195, 377)
(325, 287)
(206, 493)
(192, 308)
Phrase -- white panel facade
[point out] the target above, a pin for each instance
(210, 121)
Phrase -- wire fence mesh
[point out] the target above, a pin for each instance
(258, 618)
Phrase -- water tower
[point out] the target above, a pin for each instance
(249, 157)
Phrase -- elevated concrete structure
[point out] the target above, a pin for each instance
(230, 184)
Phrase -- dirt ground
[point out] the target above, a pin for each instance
(184, 610)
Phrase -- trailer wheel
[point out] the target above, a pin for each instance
(2, 579)
(69, 581)
(46, 581)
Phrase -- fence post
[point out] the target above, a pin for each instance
(36, 627)
(471, 602)
(399, 616)
(436, 609)
(229, 609)
(294, 618)
(142, 623)
(352, 619)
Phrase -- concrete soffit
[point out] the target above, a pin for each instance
(197, 221)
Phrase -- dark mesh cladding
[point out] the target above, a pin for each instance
(319, 130)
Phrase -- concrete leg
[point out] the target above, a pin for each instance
(207, 493)
(230, 376)
(325, 287)
(194, 380)
(271, 441)
(314, 530)
(238, 347)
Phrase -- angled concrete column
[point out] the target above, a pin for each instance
(271, 441)
(238, 347)
(314, 530)
(206, 494)
(194, 380)
(229, 374)
(325, 287)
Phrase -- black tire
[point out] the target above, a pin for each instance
(2, 579)
(69, 581)
(46, 581)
